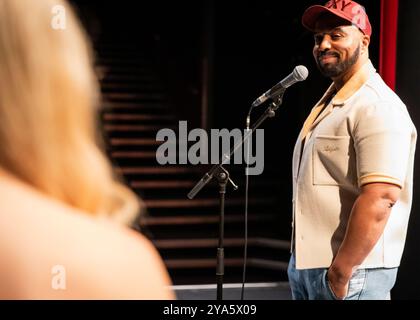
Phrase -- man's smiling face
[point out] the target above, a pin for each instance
(337, 47)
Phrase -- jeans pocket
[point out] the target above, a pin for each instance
(355, 288)
(356, 284)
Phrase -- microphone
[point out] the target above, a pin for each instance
(300, 73)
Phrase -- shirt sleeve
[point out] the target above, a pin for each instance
(382, 140)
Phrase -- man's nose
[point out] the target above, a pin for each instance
(325, 44)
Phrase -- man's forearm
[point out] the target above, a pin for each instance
(366, 225)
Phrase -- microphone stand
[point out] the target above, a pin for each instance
(223, 177)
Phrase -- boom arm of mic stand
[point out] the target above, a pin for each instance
(269, 113)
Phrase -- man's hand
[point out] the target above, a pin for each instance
(338, 282)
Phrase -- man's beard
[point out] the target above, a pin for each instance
(334, 70)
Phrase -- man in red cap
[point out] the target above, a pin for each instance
(352, 168)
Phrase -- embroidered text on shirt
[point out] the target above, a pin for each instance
(331, 148)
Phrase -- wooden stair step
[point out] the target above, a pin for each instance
(229, 262)
(115, 45)
(134, 154)
(268, 264)
(110, 61)
(147, 82)
(134, 105)
(228, 242)
(158, 170)
(109, 85)
(105, 56)
(135, 117)
(133, 128)
(200, 263)
(163, 184)
(136, 76)
(160, 184)
(129, 68)
(119, 142)
(201, 219)
(187, 203)
(129, 72)
(133, 96)
(181, 184)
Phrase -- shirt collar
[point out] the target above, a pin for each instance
(353, 84)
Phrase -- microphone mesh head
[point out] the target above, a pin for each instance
(300, 73)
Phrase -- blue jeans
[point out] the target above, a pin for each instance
(365, 284)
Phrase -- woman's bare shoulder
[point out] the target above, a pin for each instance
(56, 251)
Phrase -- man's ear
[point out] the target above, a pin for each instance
(365, 43)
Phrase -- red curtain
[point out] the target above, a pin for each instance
(388, 41)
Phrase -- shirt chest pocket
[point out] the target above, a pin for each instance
(331, 160)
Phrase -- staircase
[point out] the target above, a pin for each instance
(185, 232)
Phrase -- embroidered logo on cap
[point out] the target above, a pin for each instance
(335, 4)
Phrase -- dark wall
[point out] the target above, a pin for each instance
(408, 88)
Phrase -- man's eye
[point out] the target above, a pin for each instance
(335, 36)
(318, 39)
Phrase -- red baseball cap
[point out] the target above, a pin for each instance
(347, 10)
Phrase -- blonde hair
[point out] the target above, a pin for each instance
(48, 94)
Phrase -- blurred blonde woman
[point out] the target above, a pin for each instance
(62, 212)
